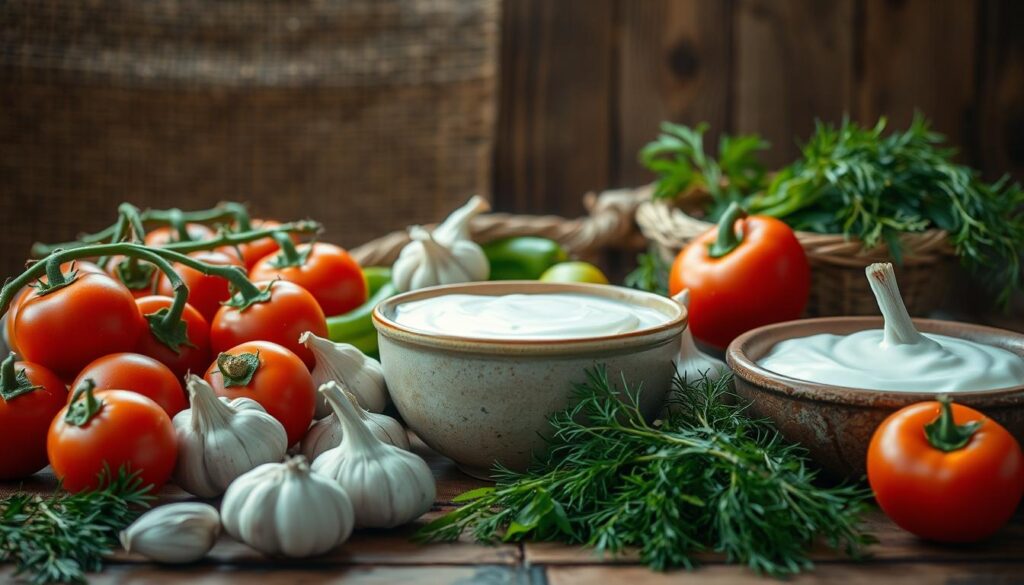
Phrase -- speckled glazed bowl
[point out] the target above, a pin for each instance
(481, 401)
(835, 423)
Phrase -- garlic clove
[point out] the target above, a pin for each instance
(174, 533)
(326, 433)
(345, 364)
(445, 256)
(388, 485)
(285, 509)
(220, 439)
(456, 225)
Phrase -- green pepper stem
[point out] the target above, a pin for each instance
(944, 434)
(727, 240)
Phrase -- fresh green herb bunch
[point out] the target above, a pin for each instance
(707, 479)
(651, 273)
(58, 538)
(860, 182)
(677, 157)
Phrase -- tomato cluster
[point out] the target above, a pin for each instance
(124, 336)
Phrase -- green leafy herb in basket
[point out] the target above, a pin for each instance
(866, 183)
(707, 479)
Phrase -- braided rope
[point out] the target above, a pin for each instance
(608, 223)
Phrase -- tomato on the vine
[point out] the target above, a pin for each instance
(138, 373)
(188, 358)
(205, 292)
(65, 328)
(253, 251)
(111, 430)
(12, 309)
(945, 472)
(290, 312)
(162, 236)
(138, 276)
(30, 396)
(271, 375)
(328, 272)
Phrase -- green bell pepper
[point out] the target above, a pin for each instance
(356, 326)
(522, 257)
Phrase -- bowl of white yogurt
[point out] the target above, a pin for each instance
(828, 383)
(476, 369)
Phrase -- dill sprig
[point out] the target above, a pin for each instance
(58, 538)
(708, 478)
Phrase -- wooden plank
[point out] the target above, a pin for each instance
(554, 108)
(1001, 89)
(675, 63)
(794, 63)
(848, 574)
(920, 55)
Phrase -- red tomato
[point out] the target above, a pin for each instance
(290, 312)
(12, 309)
(332, 276)
(187, 359)
(764, 278)
(165, 235)
(25, 416)
(945, 480)
(138, 373)
(141, 283)
(69, 327)
(118, 429)
(205, 293)
(253, 251)
(279, 381)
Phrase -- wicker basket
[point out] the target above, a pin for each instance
(838, 286)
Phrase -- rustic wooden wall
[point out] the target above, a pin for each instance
(584, 83)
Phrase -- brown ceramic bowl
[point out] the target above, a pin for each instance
(481, 401)
(835, 423)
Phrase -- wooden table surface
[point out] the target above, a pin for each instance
(388, 556)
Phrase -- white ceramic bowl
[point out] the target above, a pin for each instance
(481, 401)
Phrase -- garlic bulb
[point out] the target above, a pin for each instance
(346, 365)
(446, 256)
(388, 486)
(285, 509)
(220, 439)
(692, 363)
(175, 533)
(326, 433)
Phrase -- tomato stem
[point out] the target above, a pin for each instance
(238, 370)
(177, 221)
(288, 256)
(727, 240)
(230, 211)
(81, 411)
(944, 434)
(13, 384)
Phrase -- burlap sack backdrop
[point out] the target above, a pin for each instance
(368, 115)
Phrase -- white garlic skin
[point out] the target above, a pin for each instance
(284, 509)
(175, 533)
(220, 439)
(388, 486)
(326, 433)
(446, 256)
(692, 363)
(345, 364)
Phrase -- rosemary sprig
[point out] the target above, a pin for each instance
(60, 537)
(707, 479)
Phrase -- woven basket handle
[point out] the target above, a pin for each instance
(608, 223)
